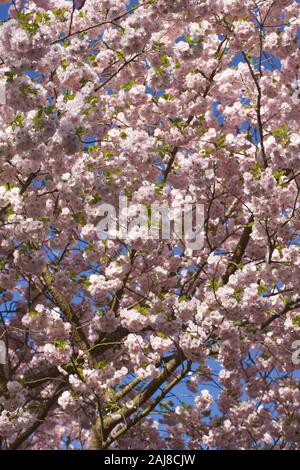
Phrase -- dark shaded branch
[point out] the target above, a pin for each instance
(65, 307)
(239, 250)
(110, 422)
(258, 111)
(38, 421)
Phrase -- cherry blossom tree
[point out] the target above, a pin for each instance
(141, 343)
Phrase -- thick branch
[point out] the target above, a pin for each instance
(110, 422)
(239, 251)
(258, 111)
(151, 407)
(38, 421)
(69, 314)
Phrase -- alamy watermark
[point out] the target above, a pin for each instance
(296, 353)
(2, 352)
(2, 92)
(158, 221)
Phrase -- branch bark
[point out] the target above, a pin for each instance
(109, 422)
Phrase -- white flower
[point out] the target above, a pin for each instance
(182, 47)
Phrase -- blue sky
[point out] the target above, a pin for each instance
(3, 11)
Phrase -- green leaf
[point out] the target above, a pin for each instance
(164, 149)
(262, 288)
(93, 148)
(59, 13)
(160, 334)
(95, 199)
(42, 17)
(101, 364)
(10, 76)
(157, 45)
(80, 131)
(85, 282)
(281, 134)
(26, 89)
(33, 313)
(255, 170)
(164, 60)
(296, 320)
(50, 109)
(64, 63)
(179, 123)
(123, 135)
(238, 293)
(91, 57)
(215, 284)
(24, 19)
(107, 154)
(18, 121)
(37, 119)
(68, 96)
(79, 217)
(127, 85)
(60, 344)
(3, 262)
(143, 310)
(168, 97)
